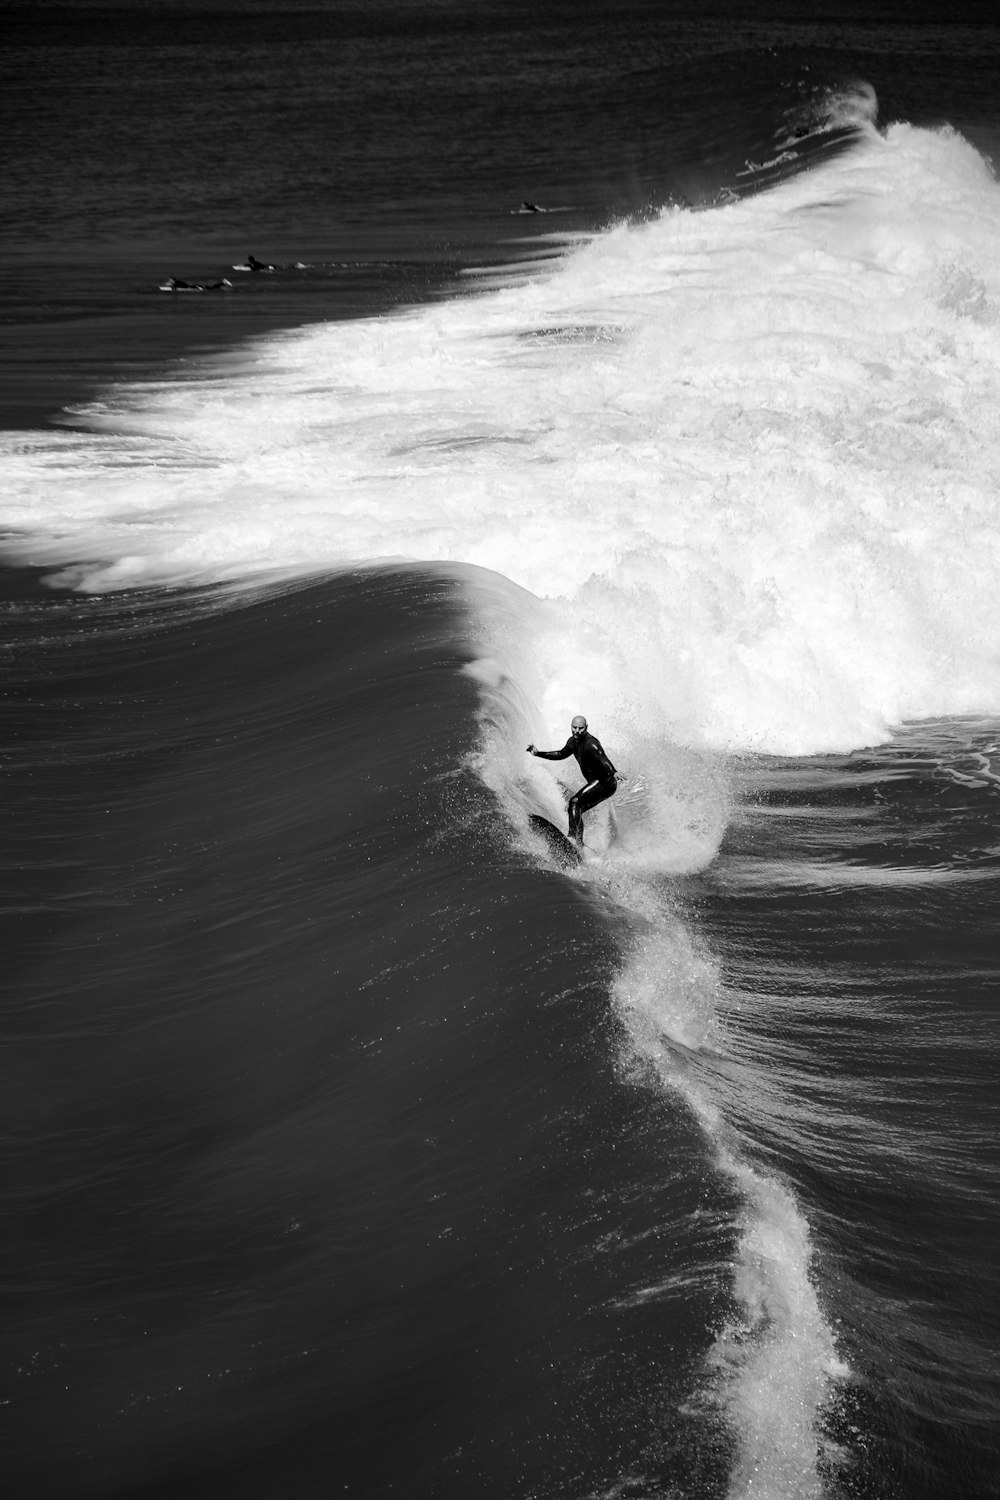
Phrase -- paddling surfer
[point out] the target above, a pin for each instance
(601, 776)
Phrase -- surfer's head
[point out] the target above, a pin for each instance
(579, 725)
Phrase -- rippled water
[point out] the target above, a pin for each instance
(351, 1142)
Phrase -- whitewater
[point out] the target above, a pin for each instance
(747, 455)
(724, 480)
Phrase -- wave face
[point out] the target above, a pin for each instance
(748, 454)
(312, 1113)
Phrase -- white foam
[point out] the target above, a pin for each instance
(750, 455)
(777, 1361)
(774, 1367)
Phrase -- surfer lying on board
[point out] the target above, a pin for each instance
(602, 778)
(176, 284)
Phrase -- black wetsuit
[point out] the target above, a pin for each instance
(596, 767)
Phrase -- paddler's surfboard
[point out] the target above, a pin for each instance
(562, 849)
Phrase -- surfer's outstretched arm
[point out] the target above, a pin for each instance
(562, 754)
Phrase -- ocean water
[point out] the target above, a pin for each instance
(351, 1145)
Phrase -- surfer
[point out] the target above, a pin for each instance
(176, 284)
(602, 778)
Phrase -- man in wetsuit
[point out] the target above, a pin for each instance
(602, 778)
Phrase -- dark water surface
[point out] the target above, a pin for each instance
(385, 147)
(348, 1145)
(306, 1078)
(865, 1049)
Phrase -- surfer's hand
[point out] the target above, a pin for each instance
(531, 749)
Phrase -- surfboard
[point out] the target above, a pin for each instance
(562, 849)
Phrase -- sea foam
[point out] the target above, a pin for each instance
(773, 1369)
(746, 457)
